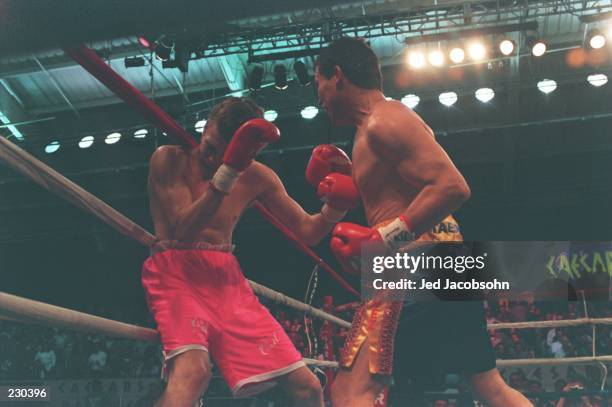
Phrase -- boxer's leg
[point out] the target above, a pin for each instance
(190, 373)
(303, 387)
(491, 388)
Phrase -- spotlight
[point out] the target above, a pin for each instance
(506, 47)
(597, 79)
(547, 85)
(280, 77)
(86, 142)
(596, 39)
(436, 58)
(163, 50)
(52, 147)
(255, 77)
(448, 98)
(270, 115)
(199, 126)
(411, 100)
(133, 62)
(141, 133)
(112, 138)
(144, 41)
(477, 51)
(485, 94)
(457, 55)
(302, 73)
(309, 112)
(416, 59)
(538, 47)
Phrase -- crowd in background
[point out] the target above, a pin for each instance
(29, 352)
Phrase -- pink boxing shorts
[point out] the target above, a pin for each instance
(201, 300)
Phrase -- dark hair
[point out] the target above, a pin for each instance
(232, 113)
(356, 59)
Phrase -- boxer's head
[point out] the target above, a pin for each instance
(223, 121)
(345, 67)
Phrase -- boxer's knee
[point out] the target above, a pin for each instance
(304, 388)
(189, 375)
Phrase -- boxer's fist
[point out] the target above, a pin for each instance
(339, 191)
(247, 142)
(347, 239)
(326, 159)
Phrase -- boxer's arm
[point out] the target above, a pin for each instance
(308, 228)
(186, 217)
(399, 136)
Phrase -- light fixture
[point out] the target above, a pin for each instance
(270, 115)
(163, 50)
(145, 42)
(506, 47)
(598, 79)
(280, 77)
(141, 133)
(256, 77)
(457, 55)
(484, 94)
(309, 112)
(86, 142)
(477, 51)
(411, 100)
(547, 85)
(436, 58)
(133, 62)
(416, 59)
(52, 147)
(301, 73)
(447, 98)
(538, 47)
(112, 138)
(199, 126)
(596, 39)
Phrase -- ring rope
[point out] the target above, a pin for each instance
(550, 324)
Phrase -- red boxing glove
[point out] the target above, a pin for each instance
(324, 160)
(247, 142)
(346, 242)
(339, 193)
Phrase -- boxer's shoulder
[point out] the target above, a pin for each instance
(167, 158)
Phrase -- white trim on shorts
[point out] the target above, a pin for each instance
(263, 381)
(175, 352)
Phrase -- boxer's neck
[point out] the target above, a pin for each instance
(362, 103)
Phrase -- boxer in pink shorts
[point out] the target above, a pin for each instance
(203, 306)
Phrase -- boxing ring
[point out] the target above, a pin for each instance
(25, 310)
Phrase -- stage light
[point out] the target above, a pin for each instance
(163, 50)
(506, 47)
(270, 115)
(144, 41)
(477, 51)
(86, 142)
(538, 47)
(598, 79)
(112, 138)
(448, 98)
(309, 112)
(485, 94)
(133, 62)
(416, 59)
(280, 77)
(457, 55)
(596, 39)
(411, 100)
(199, 126)
(256, 77)
(52, 147)
(547, 85)
(141, 133)
(436, 58)
(301, 73)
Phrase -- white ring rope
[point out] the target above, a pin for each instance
(53, 181)
(550, 324)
